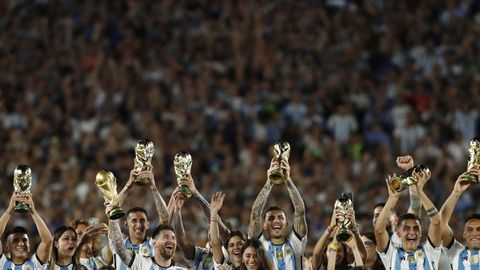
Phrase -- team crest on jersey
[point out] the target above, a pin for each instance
(208, 261)
(474, 259)
(420, 254)
(28, 267)
(279, 254)
(144, 251)
(411, 259)
(288, 251)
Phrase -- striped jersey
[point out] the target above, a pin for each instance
(203, 259)
(145, 249)
(30, 264)
(287, 256)
(462, 258)
(148, 263)
(426, 257)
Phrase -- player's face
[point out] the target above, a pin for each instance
(275, 224)
(376, 213)
(234, 249)
(471, 234)
(410, 233)
(251, 259)
(165, 244)
(18, 245)
(137, 225)
(371, 248)
(66, 244)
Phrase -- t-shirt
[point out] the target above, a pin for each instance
(145, 249)
(287, 256)
(148, 263)
(30, 264)
(462, 258)
(425, 257)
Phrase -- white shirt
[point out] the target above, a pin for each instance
(148, 263)
(287, 256)
(30, 264)
(425, 257)
(461, 258)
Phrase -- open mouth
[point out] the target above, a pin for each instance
(411, 239)
(21, 249)
(236, 252)
(169, 247)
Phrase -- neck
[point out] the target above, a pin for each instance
(17, 260)
(278, 241)
(136, 240)
(162, 261)
(64, 261)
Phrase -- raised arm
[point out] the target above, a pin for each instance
(163, 215)
(381, 234)
(6, 216)
(415, 207)
(116, 240)
(128, 186)
(449, 205)
(185, 243)
(435, 227)
(359, 245)
(353, 244)
(215, 242)
(256, 218)
(323, 240)
(45, 246)
(299, 221)
(188, 181)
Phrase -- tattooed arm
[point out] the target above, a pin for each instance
(299, 221)
(188, 181)
(116, 243)
(163, 215)
(256, 218)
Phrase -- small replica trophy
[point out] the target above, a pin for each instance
(343, 205)
(280, 150)
(473, 160)
(143, 159)
(183, 167)
(22, 182)
(408, 178)
(107, 184)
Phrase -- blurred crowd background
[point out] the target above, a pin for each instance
(350, 84)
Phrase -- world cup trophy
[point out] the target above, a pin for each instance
(344, 205)
(22, 182)
(473, 160)
(143, 159)
(106, 182)
(408, 178)
(280, 150)
(183, 166)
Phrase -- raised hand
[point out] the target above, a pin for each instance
(285, 168)
(391, 192)
(423, 177)
(405, 162)
(187, 180)
(217, 202)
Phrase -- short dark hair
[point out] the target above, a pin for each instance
(14, 230)
(136, 210)
(162, 227)
(472, 216)
(371, 236)
(273, 208)
(380, 204)
(408, 216)
(232, 234)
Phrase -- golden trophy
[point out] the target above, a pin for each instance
(22, 182)
(408, 178)
(183, 166)
(143, 159)
(107, 184)
(280, 150)
(343, 205)
(473, 160)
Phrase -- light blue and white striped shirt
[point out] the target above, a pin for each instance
(462, 258)
(426, 257)
(30, 264)
(145, 249)
(148, 263)
(287, 256)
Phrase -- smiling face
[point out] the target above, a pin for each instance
(165, 244)
(410, 233)
(275, 224)
(234, 249)
(137, 224)
(66, 244)
(250, 258)
(471, 234)
(18, 245)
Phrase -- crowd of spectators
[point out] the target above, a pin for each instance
(350, 84)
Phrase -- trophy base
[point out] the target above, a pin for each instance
(276, 177)
(21, 208)
(344, 234)
(116, 213)
(185, 191)
(471, 178)
(142, 181)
